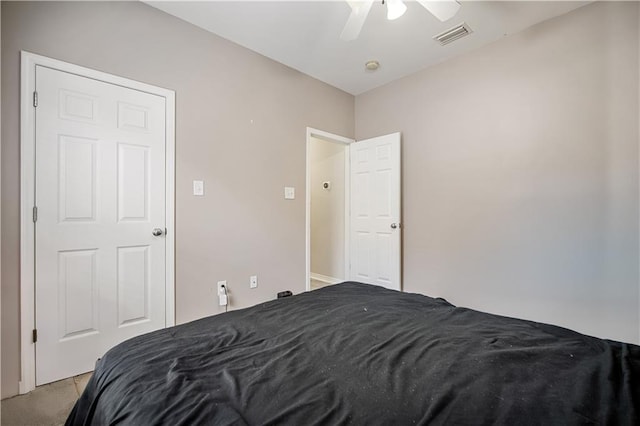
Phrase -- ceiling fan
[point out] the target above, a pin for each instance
(441, 9)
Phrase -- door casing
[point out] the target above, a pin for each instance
(27, 197)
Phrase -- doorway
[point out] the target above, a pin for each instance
(328, 198)
(353, 210)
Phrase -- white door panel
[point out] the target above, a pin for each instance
(375, 210)
(100, 191)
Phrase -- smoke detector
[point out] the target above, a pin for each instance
(372, 65)
(453, 34)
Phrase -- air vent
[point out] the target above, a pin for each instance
(453, 34)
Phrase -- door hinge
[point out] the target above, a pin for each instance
(35, 214)
(35, 99)
(35, 335)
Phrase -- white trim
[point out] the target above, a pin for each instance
(330, 137)
(27, 243)
(170, 200)
(29, 61)
(325, 278)
(347, 211)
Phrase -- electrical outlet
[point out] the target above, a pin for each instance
(222, 293)
(253, 281)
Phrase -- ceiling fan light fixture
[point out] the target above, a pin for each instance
(359, 12)
(441, 9)
(395, 9)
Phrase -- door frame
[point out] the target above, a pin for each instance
(329, 137)
(29, 61)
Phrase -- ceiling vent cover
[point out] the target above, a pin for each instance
(453, 34)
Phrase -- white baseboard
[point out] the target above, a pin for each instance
(325, 278)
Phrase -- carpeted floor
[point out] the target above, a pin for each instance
(47, 405)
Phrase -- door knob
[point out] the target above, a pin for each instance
(394, 226)
(157, 232)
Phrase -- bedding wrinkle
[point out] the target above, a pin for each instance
(629, 364)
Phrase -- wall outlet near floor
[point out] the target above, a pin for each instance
(222, 293)
(253, 281)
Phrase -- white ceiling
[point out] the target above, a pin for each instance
(305, 35)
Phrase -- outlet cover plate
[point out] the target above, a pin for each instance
(222, 296)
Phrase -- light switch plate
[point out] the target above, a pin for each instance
(253, 281)
(289, 193)
(198, 187)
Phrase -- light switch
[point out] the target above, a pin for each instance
(289, 193)
(198, 187)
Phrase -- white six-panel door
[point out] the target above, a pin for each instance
(100, 192)
(375, 211)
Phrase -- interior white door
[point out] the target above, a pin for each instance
(375, 211)
(100, 192)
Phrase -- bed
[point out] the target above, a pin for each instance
(357, 354)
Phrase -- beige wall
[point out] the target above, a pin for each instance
(520, 172)
(241, 126)
(327, 208)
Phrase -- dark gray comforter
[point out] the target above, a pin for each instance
(359, 354)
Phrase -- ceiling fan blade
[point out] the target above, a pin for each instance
(359, 12)
(441, 9)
